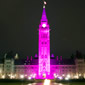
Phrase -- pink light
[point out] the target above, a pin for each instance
(44, 47)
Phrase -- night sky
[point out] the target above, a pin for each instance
(19, 21)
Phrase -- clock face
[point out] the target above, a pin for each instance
(43, 25)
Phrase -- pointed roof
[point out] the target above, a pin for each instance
(44, 17)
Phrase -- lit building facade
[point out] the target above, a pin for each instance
(29, 68)
(42, 66)
(44, 47)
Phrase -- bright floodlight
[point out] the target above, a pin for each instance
(3, 76)
(12, 76)
(21, 76)
(66, 78)
(44, 25)
(34, 75)
(60, 84)
(76, 77)
(60, 77)
(54, 74)
(47, 82)
(29, 78)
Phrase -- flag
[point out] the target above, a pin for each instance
(45, 2)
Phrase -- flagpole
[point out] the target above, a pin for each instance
(44, 3)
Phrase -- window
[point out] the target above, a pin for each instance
(45, 56)
(44, 36)
(62, 67)
(62, 70)
(45, 42)
(42, 56)
(42, 42)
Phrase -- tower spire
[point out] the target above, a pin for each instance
(44, 46)
(44, 17)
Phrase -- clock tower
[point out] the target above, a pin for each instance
(44, 46)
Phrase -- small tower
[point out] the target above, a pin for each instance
(44, 46)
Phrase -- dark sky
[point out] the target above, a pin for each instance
(19, 21)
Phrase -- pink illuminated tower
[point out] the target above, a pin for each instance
(44, 46)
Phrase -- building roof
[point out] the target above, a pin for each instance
(34, 62)
(52, 62)
(19, 61)
(26, 62)
(62, 62)
(44, 17)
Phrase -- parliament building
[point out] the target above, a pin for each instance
(42, 66)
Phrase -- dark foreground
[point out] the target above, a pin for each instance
(73, 83)
(31, 82)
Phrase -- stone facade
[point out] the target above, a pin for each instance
(9, 68)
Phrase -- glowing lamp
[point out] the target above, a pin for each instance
(43, 25)
(29, 78)
(66, 78)
(54, 74)
(21, 76)
(76, 77)
(60, 78)
(46, 82)
(3, 76)
(79, 74)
